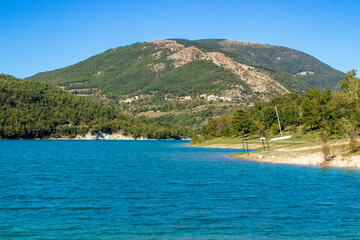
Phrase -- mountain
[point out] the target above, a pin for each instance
(298, 64)
(185, 82)
(177, 67)
(39, 110)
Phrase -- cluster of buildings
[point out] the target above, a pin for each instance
(304, 73)
(129, 100)
(215, 98)
(206, 97)
(185, 98)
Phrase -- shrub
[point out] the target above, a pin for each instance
(353, 134)
(325, 146)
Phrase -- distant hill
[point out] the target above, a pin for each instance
(186, 82)
(299, 64)
(39, 110)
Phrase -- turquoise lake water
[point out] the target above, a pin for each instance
(167, 190)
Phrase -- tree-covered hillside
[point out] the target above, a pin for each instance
(302, 65)
(130, 71)
(165, 67)
(39, 110)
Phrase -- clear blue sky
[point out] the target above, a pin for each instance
(37, 36)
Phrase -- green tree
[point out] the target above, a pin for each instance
(211, 128)
(268, 116)
(289, 114)
(351, 86)
(312, 109)
(260, 128)
(241, 122)
(224, 126)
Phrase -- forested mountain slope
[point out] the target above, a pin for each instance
(172, 67)
(40, 110)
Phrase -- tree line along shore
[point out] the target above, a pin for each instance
(332, 118)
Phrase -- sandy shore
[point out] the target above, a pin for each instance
(304, 159)
(302, 153)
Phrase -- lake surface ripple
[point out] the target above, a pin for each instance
(167, 190)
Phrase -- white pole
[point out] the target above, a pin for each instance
(278, 119)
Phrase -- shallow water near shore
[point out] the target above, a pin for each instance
(167, 190)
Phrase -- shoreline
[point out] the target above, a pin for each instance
(296, 152)
(100, 136)
(315, 159)
(95, 136)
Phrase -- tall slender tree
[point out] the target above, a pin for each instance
(351, 86)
